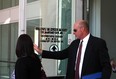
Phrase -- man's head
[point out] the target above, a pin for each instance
(81, 29)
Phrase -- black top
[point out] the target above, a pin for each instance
(28, 68)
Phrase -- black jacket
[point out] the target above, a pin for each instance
(96, 58)
(28, 68)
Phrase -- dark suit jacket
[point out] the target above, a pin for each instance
(96, 58)
(28, 68)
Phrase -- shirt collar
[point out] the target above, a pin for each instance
(86, 38)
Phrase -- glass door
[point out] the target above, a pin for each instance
(49, 23)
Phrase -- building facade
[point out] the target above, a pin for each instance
(50, 25)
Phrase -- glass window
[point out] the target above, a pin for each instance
(31, 26)
(0, 4)
(28, 1)
(8, 3)
(14, 2)
(8, 38)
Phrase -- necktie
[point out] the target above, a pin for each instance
(78, 61)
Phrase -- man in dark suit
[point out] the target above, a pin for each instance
(94, 54)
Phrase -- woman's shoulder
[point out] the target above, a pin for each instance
(23, 60)
(28, 61)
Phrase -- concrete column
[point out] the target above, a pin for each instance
(22, 17)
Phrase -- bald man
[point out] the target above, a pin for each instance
(94, 59)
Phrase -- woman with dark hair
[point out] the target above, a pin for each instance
(28, 65)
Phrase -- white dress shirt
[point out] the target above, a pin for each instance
(84, 44)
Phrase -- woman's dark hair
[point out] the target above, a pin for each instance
(24, 46)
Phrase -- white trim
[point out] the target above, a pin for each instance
(73, 15)
(22, 17)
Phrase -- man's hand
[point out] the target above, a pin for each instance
(37, 49)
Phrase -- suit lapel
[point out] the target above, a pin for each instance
(77, 45)
(87, 54)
